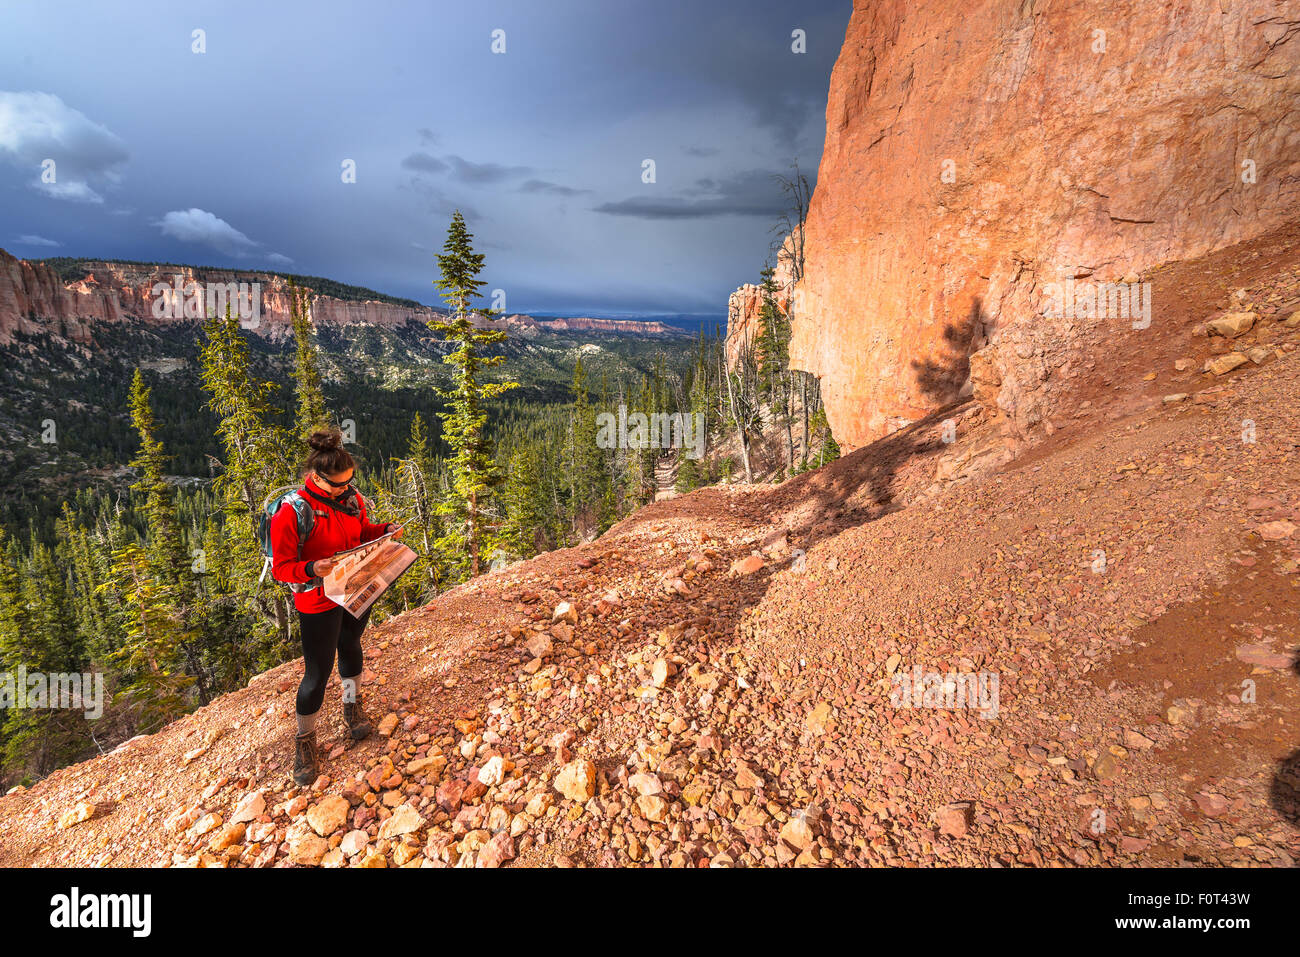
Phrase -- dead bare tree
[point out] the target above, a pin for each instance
(742, 397)
(790, 249)
(789, 226)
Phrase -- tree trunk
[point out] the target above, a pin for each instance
(740, 430)
(789, 442)
(473, 534)
(282, 620)
(803, 403)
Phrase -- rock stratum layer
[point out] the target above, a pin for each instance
(976, 154)
(33, 298)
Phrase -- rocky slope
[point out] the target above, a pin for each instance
(975, 154)
(33, 297)
(709, 683)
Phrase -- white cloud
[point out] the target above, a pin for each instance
(36, 127)
(196, 225)
(276, 259)
(30, 240)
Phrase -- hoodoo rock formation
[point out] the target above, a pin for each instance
(975, 155)
(745, 305)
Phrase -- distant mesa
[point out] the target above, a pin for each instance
(587, 324)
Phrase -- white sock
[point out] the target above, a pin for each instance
(307, 722)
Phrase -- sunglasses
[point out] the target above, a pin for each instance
(344, 484)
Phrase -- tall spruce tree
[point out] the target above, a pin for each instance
(258, 458)
(474, 472)
(174, 589)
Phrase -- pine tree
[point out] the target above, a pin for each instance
(586, 470)
(688, 476)
(19, 646)
(828, 448)
(151, 657)
(306, 370)
(165, 547)
(258, 458)
(474, 473)
(38, 633)
(524, 500)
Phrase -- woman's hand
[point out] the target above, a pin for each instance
(322, 567)
(399, 532)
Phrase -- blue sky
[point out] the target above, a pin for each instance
(234, 156)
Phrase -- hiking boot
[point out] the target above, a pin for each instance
(358, 722)
(305, 769)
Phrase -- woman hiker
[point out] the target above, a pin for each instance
(340, 523)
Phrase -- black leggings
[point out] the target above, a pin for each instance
(323, 633)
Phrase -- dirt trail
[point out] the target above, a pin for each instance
(719, 691)
(666, 477)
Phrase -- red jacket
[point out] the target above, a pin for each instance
(333, 532)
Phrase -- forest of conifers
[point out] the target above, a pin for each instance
(150, 573)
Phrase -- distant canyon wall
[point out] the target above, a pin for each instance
(976, 153)
(33, 299)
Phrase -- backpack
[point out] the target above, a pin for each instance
(306, 514)
(306, 522)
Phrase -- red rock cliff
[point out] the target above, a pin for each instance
(33, 297)
(976, 152)
(117, 292)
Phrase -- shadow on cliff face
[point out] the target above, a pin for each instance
(860, 487)
(850, 492)
(941, 380)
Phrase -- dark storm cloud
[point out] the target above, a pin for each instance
(437, 202)
(484, 173)
(463, 170)
(747, 54)
(549, 188)
(540, 147)
(424, 163)
(466, 171)
(749, 193)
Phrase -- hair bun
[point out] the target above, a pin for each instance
(326, 440)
